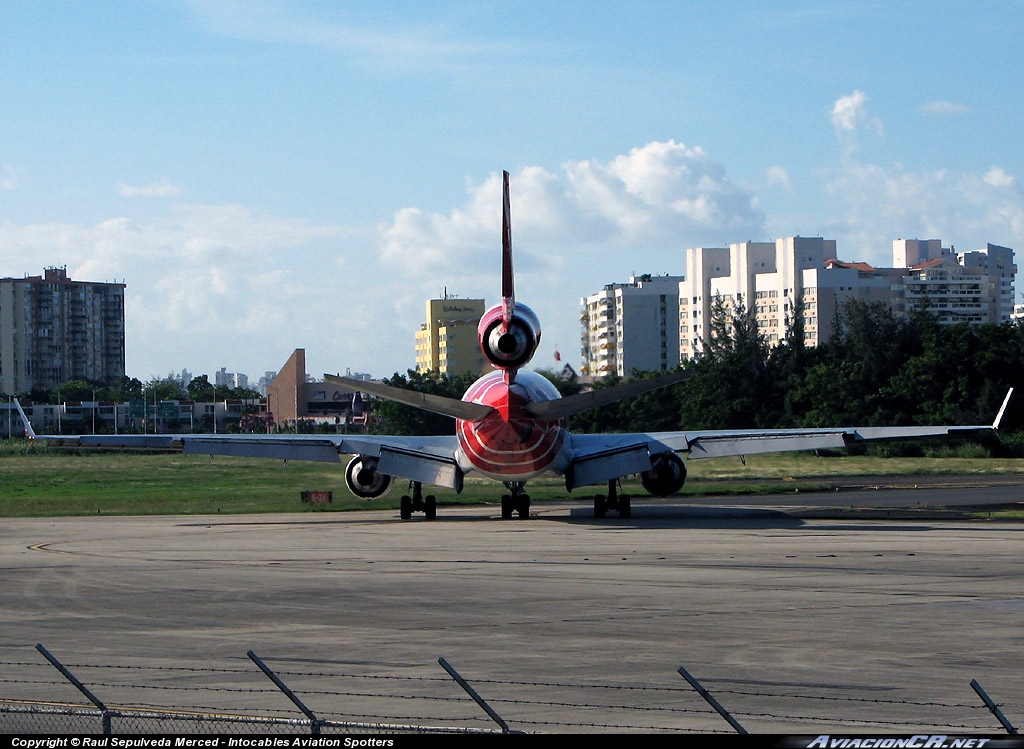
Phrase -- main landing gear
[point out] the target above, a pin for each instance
(418, 502)
(614, 501)
(516, 501)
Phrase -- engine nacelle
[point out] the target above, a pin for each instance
(667, 474)
(363, 478)
(515, 347)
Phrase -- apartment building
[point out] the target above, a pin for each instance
(790, 278)
(54, 329)
(802, 276)
(631, 326)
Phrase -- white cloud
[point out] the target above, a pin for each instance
(662, 192)
(658, 194)
(997, 177)
(850, 113)
(408, 45)
(154, 190)
(9, 179)
(776, 176)
(944, 107)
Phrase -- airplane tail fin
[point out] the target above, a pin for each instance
(29, 431)
(508, 294)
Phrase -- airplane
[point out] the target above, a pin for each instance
(510, 426)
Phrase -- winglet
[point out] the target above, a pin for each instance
(1002, 410)
(508, 293)
(29, 431)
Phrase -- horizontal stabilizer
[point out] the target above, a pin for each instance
(437, 404)
(574, 404)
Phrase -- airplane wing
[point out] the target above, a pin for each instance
(427, 459)
(603, 457)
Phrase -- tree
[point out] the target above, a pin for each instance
(731, 385)
(200, 389)
(163, 389)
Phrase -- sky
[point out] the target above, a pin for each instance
(268, 175)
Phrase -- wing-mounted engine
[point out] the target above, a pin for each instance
(509, 340)
(363, 478)
(667, 474)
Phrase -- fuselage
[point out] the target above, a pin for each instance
(510, 444)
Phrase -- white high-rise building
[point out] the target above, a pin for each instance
(631, 326)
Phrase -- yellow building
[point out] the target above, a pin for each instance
(447, 341)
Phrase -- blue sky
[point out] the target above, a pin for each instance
(270, 175)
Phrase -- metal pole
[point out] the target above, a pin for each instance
(991, 705)
(79, 685)
(476, 697)
(710, 700)
(313, 720)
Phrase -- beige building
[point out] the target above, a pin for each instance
(447, 342)
(54, 330)
(293, 395)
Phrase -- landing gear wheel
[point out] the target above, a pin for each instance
(405, 510)
(515, 501)
(614, 501)
(430, 507)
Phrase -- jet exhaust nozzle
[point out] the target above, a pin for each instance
(509, 342)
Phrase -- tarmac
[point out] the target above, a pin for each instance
(795, 622)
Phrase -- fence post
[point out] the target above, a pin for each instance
(104, 712)
(710, 700)
(314, 722)
(991, 705)
(476, 697)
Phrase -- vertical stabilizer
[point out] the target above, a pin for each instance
(508, 293)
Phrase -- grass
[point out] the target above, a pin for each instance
(40, 482)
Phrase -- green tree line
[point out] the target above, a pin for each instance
(131, 388)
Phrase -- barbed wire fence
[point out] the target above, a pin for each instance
(36, 696)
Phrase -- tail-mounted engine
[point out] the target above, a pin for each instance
(667, 475)
(363, 478)
(509, 345)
